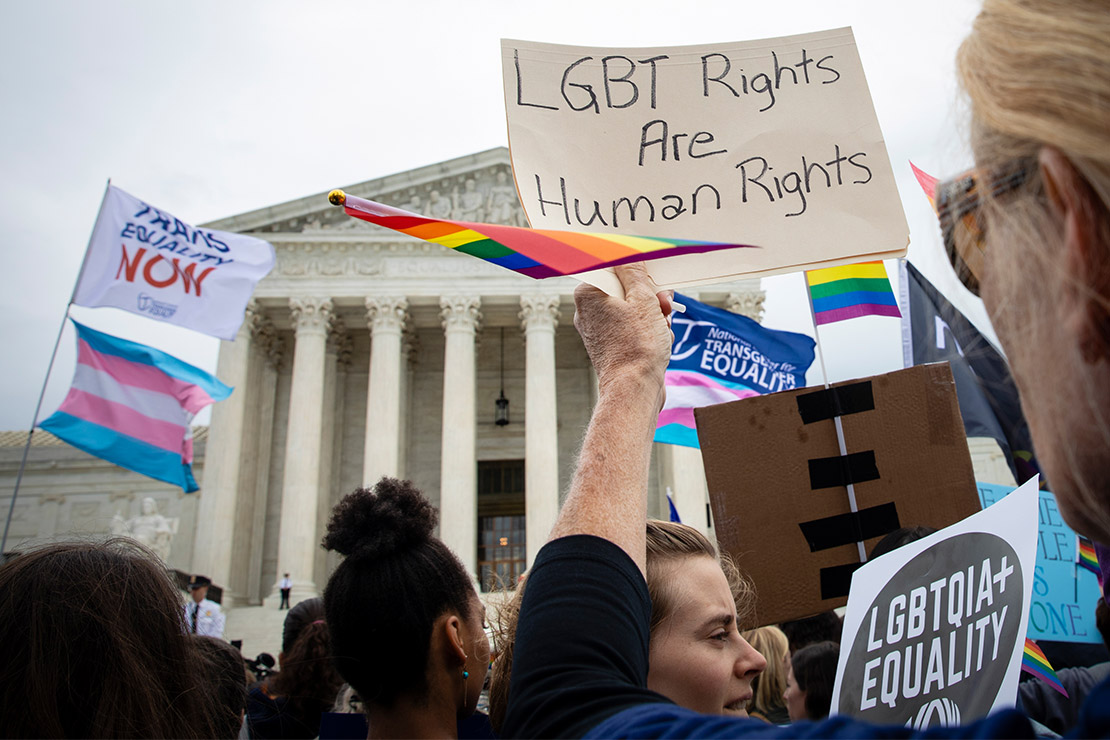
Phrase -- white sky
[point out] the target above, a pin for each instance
(209, 109)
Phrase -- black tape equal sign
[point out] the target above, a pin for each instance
(837, 472)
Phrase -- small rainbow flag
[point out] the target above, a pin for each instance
(1034, 662)
(850, 291)
(928, 183)
(537, 253)
(1085, 556)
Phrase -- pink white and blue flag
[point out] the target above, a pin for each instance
(132, 405)
(720, 356)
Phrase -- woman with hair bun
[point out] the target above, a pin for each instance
(407, 627)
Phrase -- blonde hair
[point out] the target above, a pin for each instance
(772, 644)
(666, 542)
(669, 541)
(1036, 74)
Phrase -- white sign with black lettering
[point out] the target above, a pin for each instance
(934, 631)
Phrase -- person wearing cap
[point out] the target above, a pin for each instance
(203, 617)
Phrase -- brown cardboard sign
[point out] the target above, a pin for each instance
(778, 483)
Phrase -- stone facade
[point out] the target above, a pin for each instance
(367, 353)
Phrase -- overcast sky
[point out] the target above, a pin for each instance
(209, 109)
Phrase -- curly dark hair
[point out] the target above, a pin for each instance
(385, 596)
(95, 646)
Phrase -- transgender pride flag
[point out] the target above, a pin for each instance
(132, 405)
(720, 356)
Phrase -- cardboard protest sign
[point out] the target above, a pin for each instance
(777, 481)
(1064, 594)
(772, 143)
(935, 630)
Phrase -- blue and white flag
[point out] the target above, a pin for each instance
(144, 260)
(721, 356)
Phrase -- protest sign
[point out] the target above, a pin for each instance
(772, 143)
(1064, 594)
(935, 630)
(777, 480)
(146, 261)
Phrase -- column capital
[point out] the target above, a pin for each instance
(253, 317)
(311, 314)
(747, 303)
(386, 313)
(410, 346)
(539, 311)
(264, 335)
(460, 313)
(52, 498)
(339, 340)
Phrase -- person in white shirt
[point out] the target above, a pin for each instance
(203, 617)
(286, 586)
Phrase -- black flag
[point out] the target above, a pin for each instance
(936, 332)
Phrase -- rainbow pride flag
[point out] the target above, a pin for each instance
(1085, 556)
(851, 291)
(537, 253)
(1034, 662)
(928, 183)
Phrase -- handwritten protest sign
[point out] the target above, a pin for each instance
(1064, 595)
(772, 143)
(935, 630)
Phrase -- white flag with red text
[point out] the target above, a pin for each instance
(144, 260)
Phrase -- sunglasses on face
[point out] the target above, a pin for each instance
(958, 204)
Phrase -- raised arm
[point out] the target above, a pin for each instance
(629, 343)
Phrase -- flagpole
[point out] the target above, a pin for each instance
(836, 419)
(46, 380)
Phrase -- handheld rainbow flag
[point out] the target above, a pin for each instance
(928, 183)
(1034, 662)
(1085, 556)
(537, 253)
(850, 291)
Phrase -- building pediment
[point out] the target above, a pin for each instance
(476, 187)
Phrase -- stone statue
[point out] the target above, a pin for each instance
(438, 206)
(150, 528)
(413, 206)
(501, 206)
(468, 205)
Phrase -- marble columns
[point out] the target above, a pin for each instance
(297, 544)
(386, 317)
(458, 492)
(219, 495)
(539, 316)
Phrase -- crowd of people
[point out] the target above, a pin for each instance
(621, 628)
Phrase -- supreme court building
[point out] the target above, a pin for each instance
(367, 353)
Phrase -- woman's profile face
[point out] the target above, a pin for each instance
(698, 658)
(794, 697)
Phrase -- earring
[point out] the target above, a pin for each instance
(466, 675)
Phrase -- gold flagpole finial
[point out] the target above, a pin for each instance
(337, 197)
